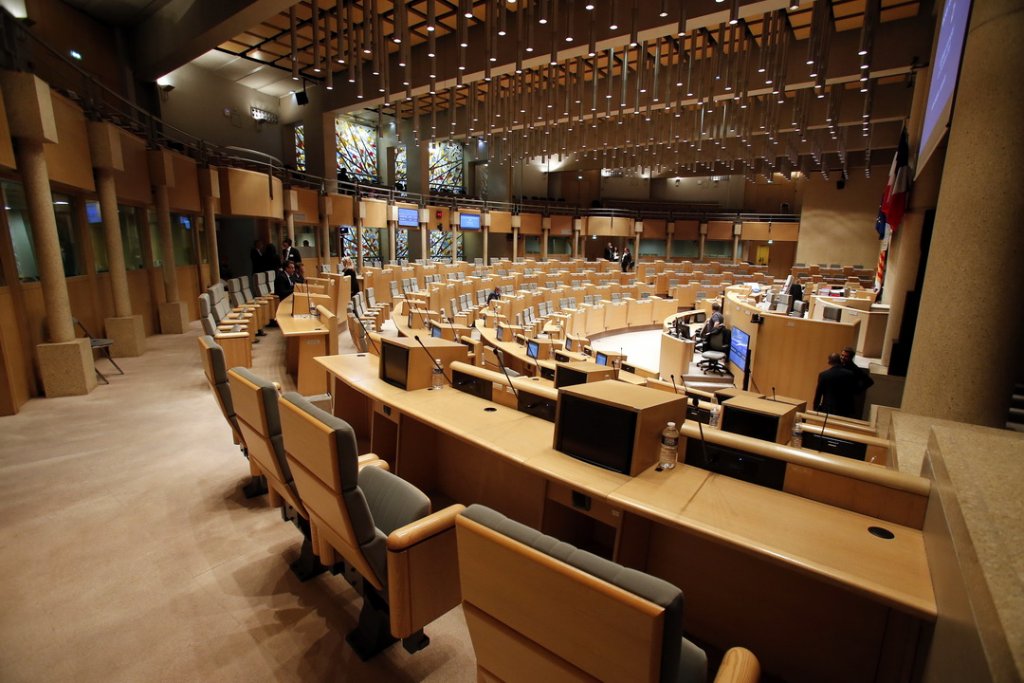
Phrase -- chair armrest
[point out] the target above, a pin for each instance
(739, 665)
(423, 571)
(231, 335)
(372, 460)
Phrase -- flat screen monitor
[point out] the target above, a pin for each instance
(737, 464)
(739, 348)
(408, 218)
(832, 313)
(532, 349)
(395, 361)
(700, 317)
(435, 331)
(597, 433)
(501, 333)
(835, 446)
(479, 387)
(570, 343)
(799, 308)
(601, 358)
(469, 221)
(567, 377)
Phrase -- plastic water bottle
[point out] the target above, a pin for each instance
(798, 435)
(713, 418)
(437, 379)
(669, 447)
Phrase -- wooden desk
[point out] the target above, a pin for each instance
(305, 339)
(801, 583)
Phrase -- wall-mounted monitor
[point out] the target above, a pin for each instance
(408, 218)
(469, 221)
(739, 348)
(601, 358)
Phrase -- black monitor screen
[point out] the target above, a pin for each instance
(481, 388)
(750, 423)
(835, 446)
(395, 362)
(698, 414)
(566, 377)
(532, 349)
(569, 343)
(799, 307)
(748, 467)
(596, 433)
(739, 346)
(832, 313)
(435, 331)
(501, 333)
(601, 359)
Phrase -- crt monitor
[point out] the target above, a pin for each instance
(532, 349)
(601, 358)
(395, 364)
(569, 343)
(799, 308)
(750, 423)
(597, 433)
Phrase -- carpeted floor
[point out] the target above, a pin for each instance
(128, 552)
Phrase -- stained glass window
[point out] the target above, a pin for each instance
(300, 147)
(356, 150)
(401, 165)
(348, 241)
(371, 244)
(446, 161)
(441, 245)
(401, 245)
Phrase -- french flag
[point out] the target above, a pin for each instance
(894, 201)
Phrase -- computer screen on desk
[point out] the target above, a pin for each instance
(597, 433)
(570, 343)
(501, 333)
(756, 425)
(477, 386)
(395, 363)
(435, 330)
(833, 313)
(601, 358)
(532, 349)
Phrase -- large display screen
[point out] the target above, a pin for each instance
(739, 347)
(408, 218)
(469, 221)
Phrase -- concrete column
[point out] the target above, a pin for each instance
(289, 221)
(545, 235)
(173, 311)
(700, 241)
(359, 243)
(455, 244)
(636, 248)
(66, 363)
(735, 248)
(974, 271)
(575, 238)
(325, 232)
(392, 240)
(515, 243)
(210, 223)
(424, 246)
(124, 329)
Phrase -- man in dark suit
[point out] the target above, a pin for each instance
(284, 284)
(289, 253)
(836, 388)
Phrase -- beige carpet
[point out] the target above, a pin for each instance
(128, 553)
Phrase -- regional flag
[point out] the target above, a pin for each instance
(894, 201)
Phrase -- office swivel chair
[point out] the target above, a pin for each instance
(399, 555)
(99, 344)
(539, 609)
(716, 348)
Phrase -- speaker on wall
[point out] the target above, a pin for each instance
(841, 184)
(301, 97)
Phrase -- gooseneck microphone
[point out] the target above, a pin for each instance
(500, 355)
(433, 361)
(366, 332)
(773, 394)
(675, 389)
(824, 423)
(451, 324)
(700, 427)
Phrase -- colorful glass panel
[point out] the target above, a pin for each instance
(300, 147)
(401, 244)
(445, 171)
(356, 148)
(401, 165)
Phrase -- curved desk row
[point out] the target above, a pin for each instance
(801, 582)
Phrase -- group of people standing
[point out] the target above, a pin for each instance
(287, 265)
(842, 385)
(626, 260)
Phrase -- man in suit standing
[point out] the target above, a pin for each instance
(836, 388)
(289, 253)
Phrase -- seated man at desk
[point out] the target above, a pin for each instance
(714, 323)
(284, 284)
(495, 295)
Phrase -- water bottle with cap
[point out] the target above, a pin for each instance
(798, 435)
(713, 417)
(437, 380)
(669, 446)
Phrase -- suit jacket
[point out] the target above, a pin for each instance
(291, 254)
(835, 391)
(283, 285)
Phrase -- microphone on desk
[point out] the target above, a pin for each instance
(451, 324)
(700, 428)
(675, 389)
(500, 355)
(293, 298)
(824, 423)
(366, 333)
(773, 394)
(309, 300)
(433, 361)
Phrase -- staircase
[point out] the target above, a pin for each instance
(1015, 417)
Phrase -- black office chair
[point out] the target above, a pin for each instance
(100, 344)
(716, 348)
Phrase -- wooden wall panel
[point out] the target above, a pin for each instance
(308, 206)
(438, 220)
(245, 193)
(376, 215)
(6, 147)
(184, 196)
(780, 232)
(133, 186)
(561, 226)
(720, 230)
(530, 223)
(15, 358)
(654, 228)
(687, 230)
(142, 297)
(622, 227)
(501, 221)
(342, 211)
(68, 162)
(276, 208)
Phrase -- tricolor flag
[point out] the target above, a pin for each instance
(894, 203)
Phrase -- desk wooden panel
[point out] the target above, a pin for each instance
(800, 582)
(305, 339)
